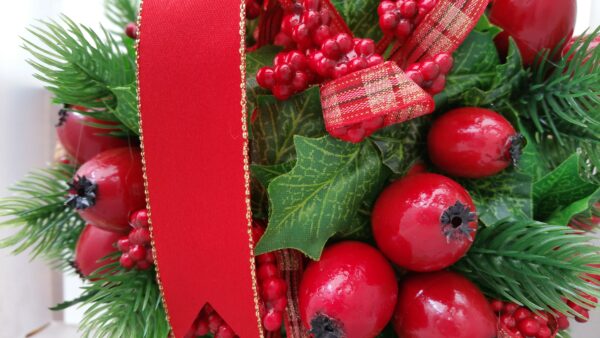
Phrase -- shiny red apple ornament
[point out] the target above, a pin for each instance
(534, 24)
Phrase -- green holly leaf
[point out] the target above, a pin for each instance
(402, 144)
(506, 195)
(475, 63)
(267, 173)
(127, 106)
(556, 193)
(278, 121)
(485, 25)
(322, 194)
(361, 16)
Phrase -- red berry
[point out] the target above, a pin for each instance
(544, 332)
(535, 24)
(497, 305)
(81, 140)
(124, 245)
(521, 313)
(562, 321)
(273, 288)
(201, 328)
(528, 327)
(510, 308)
(442, 304)
(289, 76)
(137, 253)
(143, 265)
(214, 322)
(279, 304)
(131, 30)
(473, 143)
(350, 292)
(224, 331)
(266, 77)
(139, 219)
(93, 245)
(445, 62)
(108, 188)
(149, 255)
(126, 261)
(272, 320)
(424, 222)
(140, 236)
(400, 17)
(266, 258)
(266, 271)
(508, 321)
(304, 26)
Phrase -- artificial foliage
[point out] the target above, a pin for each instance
(315, 190)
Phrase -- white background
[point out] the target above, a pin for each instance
(27, 141)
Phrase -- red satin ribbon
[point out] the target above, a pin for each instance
(189, 77)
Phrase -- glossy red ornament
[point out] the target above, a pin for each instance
(350, 292)
(534, 24)
(473, 142)
(424, 222)
(442, 304)
(107, 189)
(93, 245)
(83, 141)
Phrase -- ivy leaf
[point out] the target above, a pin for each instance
(127, 106)
(506, 195)
(560, 189)
(321, 196)
(401, 144)
(278, 121)
(475, 63)
(360, 16)
(267, 173)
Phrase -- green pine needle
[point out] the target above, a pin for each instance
(123, 304)
(45, 224)
(564, 95)
(79, 66)
(122, 12)
(533, 264)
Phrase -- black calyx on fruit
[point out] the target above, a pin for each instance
(82, 193)
(455, 221)
(322, 326)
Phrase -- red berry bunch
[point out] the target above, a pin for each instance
(520, 322)
(136, 248)
(431, 74)
(253, 8)
(399, 18)
(341, 55)
(209, 321)
(289, 75)
(357, 132)
(305, 26)
(273, 288)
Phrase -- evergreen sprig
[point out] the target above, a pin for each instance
(46, 225)
(122, 12)
(533, 264)
(122, 303)
(563, 99)
(81, 67)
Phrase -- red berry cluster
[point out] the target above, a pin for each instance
(289, 75)
(136, 248)
(341, 55)
(253, 9)
(356, 132)
(584, 313)
(431, 74)
(272, 287)
(521, 322)
(399, 18)
(305, 26)
(209, 321)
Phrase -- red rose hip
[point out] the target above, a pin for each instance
(442, 304)
(473, 142)
(107, 189)
(424, 222)
(350, 292)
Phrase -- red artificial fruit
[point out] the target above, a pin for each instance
(351, 292)
(534, 24)
(81, 140)
(473, 142)
(581, 39)
(424, 222)
(93, 245)
(107, 189)
(442, 304)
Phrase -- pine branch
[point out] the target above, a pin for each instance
(533, 264)
(81, 67)
(563, 98)
(45, 224)
(122, 12)
(123, 304)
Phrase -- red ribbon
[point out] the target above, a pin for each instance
(191, 109)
